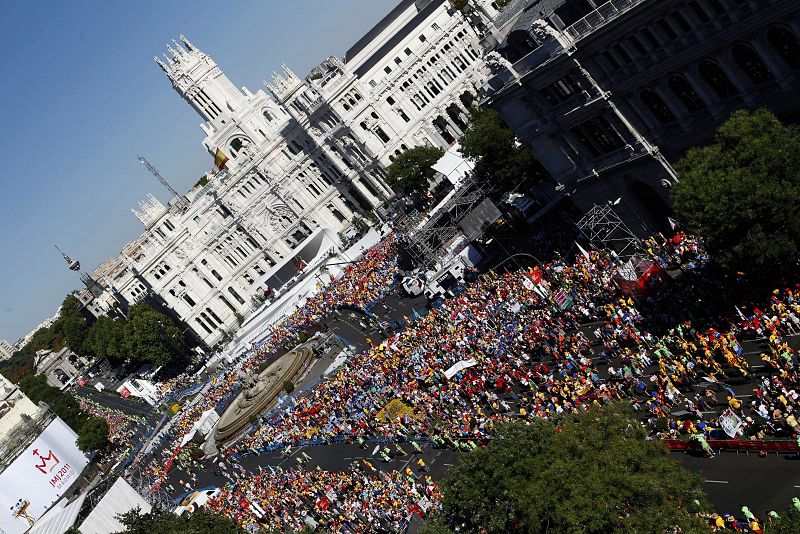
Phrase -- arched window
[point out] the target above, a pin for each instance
(214, 315)
(267, 115)
(201, 323)
(226, 303)
(685, 92)
(238, 298)
(238, 144)
(786, 45)
(657, 106)
(751, 64)
(716, 79)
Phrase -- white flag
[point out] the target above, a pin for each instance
(583, 250)
(672, 223)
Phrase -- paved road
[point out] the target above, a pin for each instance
(733, 480)
(129, 406)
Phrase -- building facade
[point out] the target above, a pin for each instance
(6, 349)
(305, 159)
(608, 94)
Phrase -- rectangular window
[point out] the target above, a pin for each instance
(397, 60)
(372, 83)
(407, 51)
(435, 27)
(387, 70)
(422, 38)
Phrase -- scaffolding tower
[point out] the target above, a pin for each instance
(603, 228)
(428, 243)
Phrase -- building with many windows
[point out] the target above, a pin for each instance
(606, 94)
(305, 159)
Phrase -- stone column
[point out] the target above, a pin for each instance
(742, 85)
(710, 99)
(774, 63)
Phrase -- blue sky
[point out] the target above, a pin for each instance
(81, 96)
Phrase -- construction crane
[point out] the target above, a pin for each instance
(179, 200)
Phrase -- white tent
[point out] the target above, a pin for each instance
(453, 165)
(59, 518)
(120, 498)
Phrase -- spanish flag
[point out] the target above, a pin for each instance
(220, 159)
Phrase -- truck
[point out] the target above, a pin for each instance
(444, 281)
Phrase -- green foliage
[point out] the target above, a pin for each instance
(200, 522)
(288, 386)
(202, 181)
(92, 432)
(740, 193)
(151, 336)
(239, 318)
(106, 339)
(411, 170)
(787, 523)
(93, 435)
(499, 159)
(69, 328)
(593, 473)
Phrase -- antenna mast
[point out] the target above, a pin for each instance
(154, 172)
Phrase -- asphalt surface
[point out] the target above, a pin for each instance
(732, 480)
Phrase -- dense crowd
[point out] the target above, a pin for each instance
(361, 284)
(513, 345)
(361, 499)
(121, 426)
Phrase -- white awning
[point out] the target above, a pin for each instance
(59, 518)
(120, 498)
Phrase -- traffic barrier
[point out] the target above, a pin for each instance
(739, 445)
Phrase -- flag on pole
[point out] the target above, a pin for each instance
(583, 250)
(220, 159)
(673, 224)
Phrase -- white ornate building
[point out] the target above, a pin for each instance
(303, 160)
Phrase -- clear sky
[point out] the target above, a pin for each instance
(81, 96)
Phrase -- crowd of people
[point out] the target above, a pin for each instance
(360, 285)
(121, 426)
(513, 345)
(360, 499)
(520, 355)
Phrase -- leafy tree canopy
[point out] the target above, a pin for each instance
(411, 170)
(589, 473)
(740, 193)
(93, 435)
(499, 158)
(151, 336)
(92, 431)
(200, 522)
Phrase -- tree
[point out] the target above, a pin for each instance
(151, 336)
(199, 522)
(93, 435)
(740, 193)
(411, 170)
(499, 159)
(787, 523)
(106, 338)
(92, 431)
(589, 473)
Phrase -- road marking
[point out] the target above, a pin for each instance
(451, 465)
(716, 481)
(797, 486)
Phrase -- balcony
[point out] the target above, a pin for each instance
(600, 16)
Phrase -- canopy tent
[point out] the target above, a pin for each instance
(120, 498)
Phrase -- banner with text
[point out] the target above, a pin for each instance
(38, 477)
